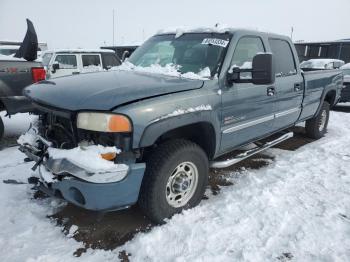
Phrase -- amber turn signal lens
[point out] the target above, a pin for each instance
(119, 123)
(109, 156)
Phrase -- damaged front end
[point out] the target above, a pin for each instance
(91, 169)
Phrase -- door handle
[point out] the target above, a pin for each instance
(297, 87)
(270, 91)
(75, 73)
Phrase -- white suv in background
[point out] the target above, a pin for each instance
(75, 61)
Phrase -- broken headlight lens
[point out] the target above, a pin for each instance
(104, 122)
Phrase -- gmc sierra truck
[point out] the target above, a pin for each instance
(149, 131)
(18, 72)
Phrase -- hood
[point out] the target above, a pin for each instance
(105, 90)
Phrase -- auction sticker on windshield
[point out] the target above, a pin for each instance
(214, 41)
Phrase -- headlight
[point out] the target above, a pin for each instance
(103, 122)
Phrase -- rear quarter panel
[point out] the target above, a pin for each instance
(317, 85)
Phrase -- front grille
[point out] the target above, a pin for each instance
(59, 127)
(58, 130)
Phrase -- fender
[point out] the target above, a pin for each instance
(153, 131)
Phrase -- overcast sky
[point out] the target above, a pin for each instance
(88, 23)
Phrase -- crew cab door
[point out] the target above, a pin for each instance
(247, 109)
(288, 84)
(67, 65)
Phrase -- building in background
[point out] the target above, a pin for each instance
(334, 49)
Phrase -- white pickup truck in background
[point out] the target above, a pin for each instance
(75, 61)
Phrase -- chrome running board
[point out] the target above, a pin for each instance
(250, 152)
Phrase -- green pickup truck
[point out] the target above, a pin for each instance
(149, 131)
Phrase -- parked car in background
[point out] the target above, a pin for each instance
(18, 72)
(149, 130)
(321, 64)
(345, 93)
(75, 61)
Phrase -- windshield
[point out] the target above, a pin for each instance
(189, 53)
(46, 59)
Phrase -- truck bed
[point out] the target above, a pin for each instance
(15, 75)
(317, 83)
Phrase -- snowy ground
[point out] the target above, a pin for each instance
(297, 208)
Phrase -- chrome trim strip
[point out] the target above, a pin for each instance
(260, 120)
(249, 124)
(287, 112)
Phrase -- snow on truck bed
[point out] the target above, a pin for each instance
(298, 205)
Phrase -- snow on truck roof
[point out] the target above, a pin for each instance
(178, 31)
(78, 50)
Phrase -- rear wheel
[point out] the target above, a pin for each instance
(2, 128)
(316, 127)
(175, 179)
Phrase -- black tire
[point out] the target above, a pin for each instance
(2, 128)
(314, 127)
(160, 165)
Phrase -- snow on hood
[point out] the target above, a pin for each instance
(168, 70)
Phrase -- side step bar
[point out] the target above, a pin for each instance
(250, 152)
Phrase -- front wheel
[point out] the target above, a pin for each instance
(316, 127)
(175, 179)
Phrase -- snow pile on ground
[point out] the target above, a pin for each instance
(297, 207)
(89, 157)
(168, 70)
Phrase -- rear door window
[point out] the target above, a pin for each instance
(67, 61)
(91, 60)
(283, 57)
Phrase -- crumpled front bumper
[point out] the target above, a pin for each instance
(65, 179)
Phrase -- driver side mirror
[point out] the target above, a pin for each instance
(55, 66)
(262, 71)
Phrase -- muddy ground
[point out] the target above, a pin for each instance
(110, 230)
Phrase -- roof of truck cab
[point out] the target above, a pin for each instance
(217, 29)
(78, 51)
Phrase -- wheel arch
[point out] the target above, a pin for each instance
(202, 133)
